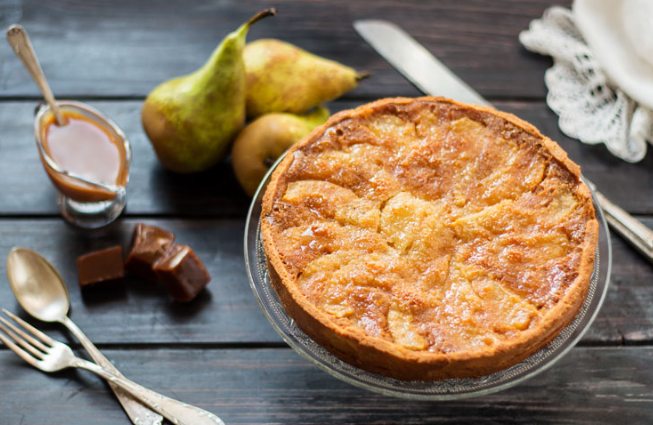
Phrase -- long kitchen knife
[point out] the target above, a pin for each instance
(432, 77)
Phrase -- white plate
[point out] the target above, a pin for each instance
(602, 25)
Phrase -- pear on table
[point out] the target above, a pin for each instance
(264, 140)
(284, 78)
(192, 120)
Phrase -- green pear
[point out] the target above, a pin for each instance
(284, 78)
(192, 120)
(265, 139)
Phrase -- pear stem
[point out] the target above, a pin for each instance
(262, 14)
(363, 75)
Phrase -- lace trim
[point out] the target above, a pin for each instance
(589, 107)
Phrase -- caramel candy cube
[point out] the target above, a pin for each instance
(148, 243)
(100, 266)
(181, 272)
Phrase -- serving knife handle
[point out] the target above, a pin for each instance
(633, 230)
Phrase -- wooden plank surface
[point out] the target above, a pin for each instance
(140, 312)
(227, 313)
(155, 191)
(124, 49)
(219, 352)
(273, 386)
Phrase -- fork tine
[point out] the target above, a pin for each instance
(29, 339)
(19, 351)
(37, 333)
(21, 341)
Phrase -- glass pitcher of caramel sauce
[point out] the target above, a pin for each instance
(87, 160)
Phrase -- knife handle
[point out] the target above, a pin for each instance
(633, 230)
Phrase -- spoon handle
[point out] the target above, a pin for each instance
(138, 413)
(19, 41)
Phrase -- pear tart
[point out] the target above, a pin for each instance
(426, 239)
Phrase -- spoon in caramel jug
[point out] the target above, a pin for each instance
(19, 41)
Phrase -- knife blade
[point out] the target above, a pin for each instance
(414, 62)
(432, 77)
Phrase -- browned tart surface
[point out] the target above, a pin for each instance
(428, 239)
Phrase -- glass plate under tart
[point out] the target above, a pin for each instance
(256, 265)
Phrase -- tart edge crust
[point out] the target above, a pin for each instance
(379, 356)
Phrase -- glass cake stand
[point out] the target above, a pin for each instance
(266, 296)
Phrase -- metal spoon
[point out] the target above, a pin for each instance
(19, 41)
(40, 289)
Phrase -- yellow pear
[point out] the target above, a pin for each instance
(265, 139)
(192, 120)
(282, 77)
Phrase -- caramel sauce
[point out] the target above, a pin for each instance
(86, 148)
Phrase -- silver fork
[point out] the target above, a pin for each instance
(49, 355)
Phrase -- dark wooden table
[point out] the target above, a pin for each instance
(219, 352)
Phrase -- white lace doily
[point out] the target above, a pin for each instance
(589, 108)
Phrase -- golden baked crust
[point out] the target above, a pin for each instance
(426, 239)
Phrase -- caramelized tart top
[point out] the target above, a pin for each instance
(432, 225)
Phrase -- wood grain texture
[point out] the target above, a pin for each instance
(124, 48)
(630, 291)
(219, 352)
(138, 313)
(274, 386)
(141, 312)
(155, 191)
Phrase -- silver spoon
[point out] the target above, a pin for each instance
(40, 289)
(20, 42)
